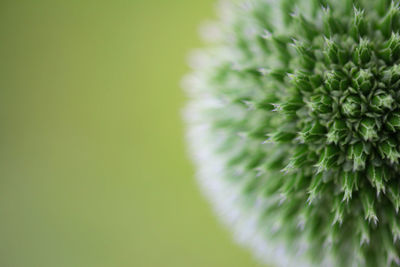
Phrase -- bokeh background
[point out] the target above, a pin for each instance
(94, 170)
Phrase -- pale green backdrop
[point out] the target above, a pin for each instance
(92, 158)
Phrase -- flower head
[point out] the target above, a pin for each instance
(295, 124)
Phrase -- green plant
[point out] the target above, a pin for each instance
(294, 122)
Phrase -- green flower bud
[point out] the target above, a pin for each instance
(350, 182)
(393, 122)
(336, 80)
(357, 154)
(390, 50)
(321, 103)
(377, 177)
(388, 150)
(328, 158)
(352, 106)
(301, 81)
(382, 101)
(368, 129)
(363, 53)
(368, 201)
(390, 22)
(294, 124)
(338, 131)
(363, 80)
(312, 131)
(358, 26)
(392, 75)
(334, 53)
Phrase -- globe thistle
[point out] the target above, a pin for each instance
(294, 123)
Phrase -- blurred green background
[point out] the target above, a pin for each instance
(94, 170)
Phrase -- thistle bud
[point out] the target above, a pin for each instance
(393, 121)
(391, 75)
(368, 129)
(357, 154)
(301, 81)
(390, 50)
(321, 103)
(312, 131)
(338, 131)
(390, 22)
(382, 101)
(352, 106)
(388, 150)
(368, 201)
(363, 53)
(363, 80)
(336, 80)
(358, 25)
(350, 182)
(334, 53)
(301, 143)
(328, 158)
(377, 177)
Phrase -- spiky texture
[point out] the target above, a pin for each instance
(295, 125)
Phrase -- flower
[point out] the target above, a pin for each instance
(294, 124)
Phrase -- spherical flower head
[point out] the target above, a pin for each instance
(294, 123)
